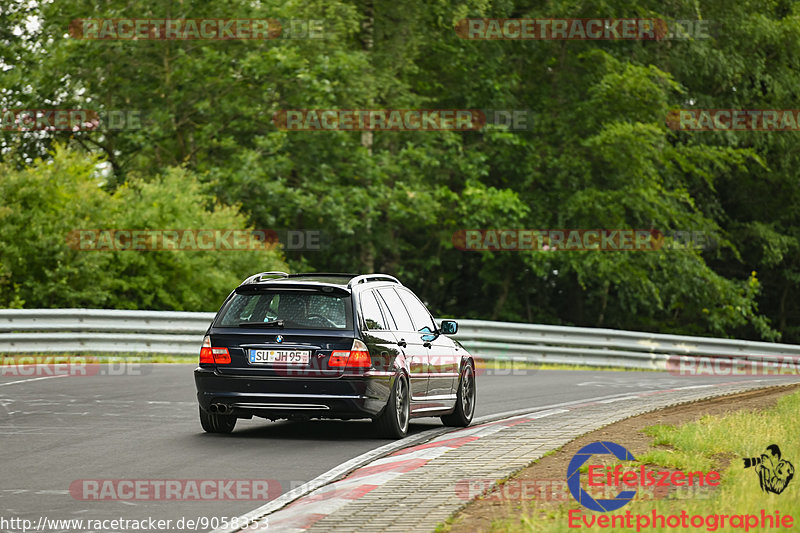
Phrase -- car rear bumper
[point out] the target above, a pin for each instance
(281, 397)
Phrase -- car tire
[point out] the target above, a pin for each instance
(465, 401)
(393, 421)
(214, 423)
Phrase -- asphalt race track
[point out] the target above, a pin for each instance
(62, 429)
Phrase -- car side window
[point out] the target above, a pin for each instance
(397, 309)
(390, 323)
(419, 313)
(371, 312)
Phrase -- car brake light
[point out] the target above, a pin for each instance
(356, 357)
(210, 355)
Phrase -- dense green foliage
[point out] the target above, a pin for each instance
(41, 267)
(599, 154)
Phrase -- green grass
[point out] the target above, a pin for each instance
(702, 445)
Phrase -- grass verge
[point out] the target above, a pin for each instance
(711, 443)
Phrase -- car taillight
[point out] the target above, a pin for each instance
(221, 356)
(356, 357)
(210, 355)
(206, 356)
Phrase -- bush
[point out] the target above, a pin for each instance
(42, 205)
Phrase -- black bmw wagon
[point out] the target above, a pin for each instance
(346, 346)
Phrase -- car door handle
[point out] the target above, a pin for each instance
(402, 343)
(426, 344)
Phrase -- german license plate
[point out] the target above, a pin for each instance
(294, 357)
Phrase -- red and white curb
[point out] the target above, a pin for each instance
(300, 509)
(325, 501)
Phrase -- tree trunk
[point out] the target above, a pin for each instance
(603, 304)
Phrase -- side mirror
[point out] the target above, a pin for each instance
(449, 327)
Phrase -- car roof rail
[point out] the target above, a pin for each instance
(366, 278)
(324, 274)
(257, 277)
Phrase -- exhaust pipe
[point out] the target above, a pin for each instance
(220, 408)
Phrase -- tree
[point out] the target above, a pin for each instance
(597, 154)
(43, 265)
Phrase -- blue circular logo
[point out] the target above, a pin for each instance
(279, 338)
(574, 476)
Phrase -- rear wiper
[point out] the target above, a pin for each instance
(270, 324)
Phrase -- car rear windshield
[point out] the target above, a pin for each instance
(288, 309)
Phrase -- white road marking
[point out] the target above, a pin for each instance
(32, 379)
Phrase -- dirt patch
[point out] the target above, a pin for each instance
(548, 474)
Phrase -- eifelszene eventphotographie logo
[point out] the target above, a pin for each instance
(588, 471)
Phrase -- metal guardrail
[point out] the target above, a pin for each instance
(102, 331)
(169, 332)
(607, 347)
